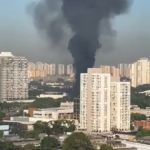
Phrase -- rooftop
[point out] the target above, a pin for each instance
(6, 54)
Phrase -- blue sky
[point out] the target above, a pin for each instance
(18, 34)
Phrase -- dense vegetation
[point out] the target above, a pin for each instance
(48, 102)
(141, 100)
(75, 141)
(142, 133)
(56, 128)
(136, 116)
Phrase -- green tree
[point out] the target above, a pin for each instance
(142, 133)
(29, 147)
(2, 115)
(1, 134)
(106, 147)
(71, 128)
(131, 127)
(2, 145)
(29, 134)
(49, 143)
(77, 140)
(48, 130)
(40, 127)
(137, 116)
(9, 145)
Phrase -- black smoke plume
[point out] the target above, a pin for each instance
(84, 17)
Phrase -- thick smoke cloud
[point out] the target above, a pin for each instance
(85, 18)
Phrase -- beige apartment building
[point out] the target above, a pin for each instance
(124, 70)
(140, 72)
(13, 77)
(115, 72)
(97, 112)
(120, 105)
(70, 69)
(61, 69)
(52, 69)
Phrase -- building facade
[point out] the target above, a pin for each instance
(13, 77)
(69, 69)
(95, 101)
(120, 106)
(61, 69)
(52, 69)
(140, 72)
(104, 102)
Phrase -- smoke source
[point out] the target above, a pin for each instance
(84, 17)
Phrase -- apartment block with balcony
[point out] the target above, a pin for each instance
(120, 106)
(104, 102)
(13, 77)
(95, 101)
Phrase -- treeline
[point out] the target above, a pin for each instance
(58, 127)
(142, 100)
(48, 102)
(75, 141)
(142, 133)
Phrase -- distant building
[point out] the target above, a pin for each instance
(54, 95)
(124, 70)
(140, 72)
(5, 129)
(65, 111)
(143, 123)
(147, 92)
(70, 69)
(52, 69)
(61, 69)
(13, 77)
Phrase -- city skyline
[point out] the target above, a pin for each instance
(20, 37)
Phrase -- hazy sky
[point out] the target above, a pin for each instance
(18, 35)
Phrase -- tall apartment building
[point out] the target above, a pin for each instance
(95, 101)
(13, 77)
(40, 69)
(32, 69)
(110, 70)
(70, 69)
(106, 69)
(115, 72)
(140, 72)
(120, 105)
(47, 69)
(124, 70)
(52, 69)
(61, 69)
(97, 90)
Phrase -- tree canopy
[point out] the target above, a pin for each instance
(137, 116)
(141, 100)
(76, 141)
(56, 128)
(2, 115)
(29, 147)
(49, 143)
(106, 147)
(142, 133)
